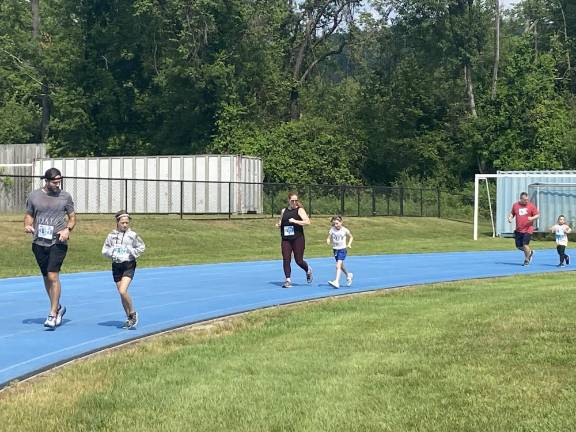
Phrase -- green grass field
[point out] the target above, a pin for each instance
(486, 355)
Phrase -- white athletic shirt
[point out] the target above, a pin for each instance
(338, 237)
(561, 231)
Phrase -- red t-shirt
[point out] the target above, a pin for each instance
(522, 213)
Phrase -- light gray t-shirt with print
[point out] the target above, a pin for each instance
(49, 211)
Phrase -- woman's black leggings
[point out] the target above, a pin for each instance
(297, 247)
(562, 252)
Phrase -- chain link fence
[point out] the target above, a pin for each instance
(236, 199)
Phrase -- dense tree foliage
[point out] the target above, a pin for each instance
(325, 91)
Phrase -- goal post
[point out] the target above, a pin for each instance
(477, 179)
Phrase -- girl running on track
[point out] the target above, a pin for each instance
(337, 237)
(123, 246)
(291, 224)
(561, 230)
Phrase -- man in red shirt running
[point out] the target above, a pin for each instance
(525, 213)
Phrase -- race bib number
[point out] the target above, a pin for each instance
(522, 212)
(560, 232)
(46, 231)
(120, 252)
(288, 231)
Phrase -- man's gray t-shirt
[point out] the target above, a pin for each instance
(49, 211)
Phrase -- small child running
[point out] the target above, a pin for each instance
(337, 237)
(561, 230)
(123, 246)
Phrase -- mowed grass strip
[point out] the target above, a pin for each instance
(171, 241)
(486, 355)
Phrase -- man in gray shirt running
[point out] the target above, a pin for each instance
(45, 219)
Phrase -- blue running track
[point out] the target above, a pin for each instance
(171, 297)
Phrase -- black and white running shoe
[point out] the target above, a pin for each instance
(60, 314)
(309, 275)
(50, 322)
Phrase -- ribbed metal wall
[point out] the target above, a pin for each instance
(211, 183)
(550, 201)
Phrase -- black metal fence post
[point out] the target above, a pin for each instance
(358, 196)
(342, 200)
(272, 202)
(373, 202)
(126, 195)
(421, 203)
(401, 201)
(229, 200)
(438, 196)
(181, 199)
(309, 199)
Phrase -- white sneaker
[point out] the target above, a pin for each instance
(50, 322)
(349, 279)
(60, 314)
(334, 284)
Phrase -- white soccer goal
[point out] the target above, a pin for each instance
(477, 179)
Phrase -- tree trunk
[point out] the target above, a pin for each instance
(45, 122)
(566, 41)
(536, 39)
(296, 72)
(470, 90)
(319, 22)
(496, 49)
(35, 4)
(45, 89)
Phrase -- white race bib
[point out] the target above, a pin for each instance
(46, 231)
(120, 252)
(288, 230)
(522, 211)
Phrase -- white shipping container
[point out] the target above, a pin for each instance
(161, 184)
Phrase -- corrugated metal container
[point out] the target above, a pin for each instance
(14, 190)
(550, 203)
(199, 184)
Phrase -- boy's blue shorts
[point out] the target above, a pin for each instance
(340, 254)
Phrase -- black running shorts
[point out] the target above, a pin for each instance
(522, 239)
(50, 258)
(123, 269)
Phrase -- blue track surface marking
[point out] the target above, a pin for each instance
(170, 297)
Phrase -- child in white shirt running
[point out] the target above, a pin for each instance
(337, 238)
(561, 230)
(123, 246)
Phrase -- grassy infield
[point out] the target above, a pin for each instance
(469, 356)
